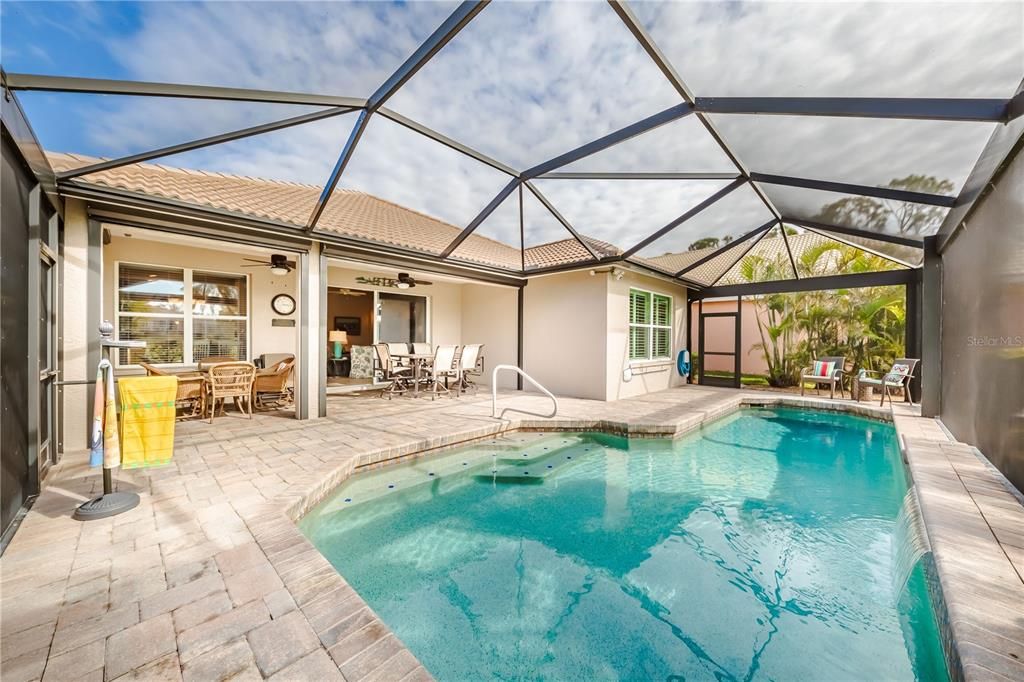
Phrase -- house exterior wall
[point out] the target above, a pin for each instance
(490, 317)
(565, 326)
(576, 335)
(575, 324)
(982, 322)
(263, 285)
(648, 376)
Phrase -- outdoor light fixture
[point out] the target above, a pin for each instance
(280, 271)
(402, 285)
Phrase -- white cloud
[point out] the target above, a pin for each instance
(842, 49)
(623, 212)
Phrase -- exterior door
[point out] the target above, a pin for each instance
(720, 343)
(47, 349)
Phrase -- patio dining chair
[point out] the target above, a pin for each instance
(423, 349)
(231, 380)
(396, 349)
(443, 369)
(468, 361)
(897, 378)
(398, 377)
(270, 388)
(828, 370)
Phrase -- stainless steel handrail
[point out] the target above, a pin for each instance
(494, 393)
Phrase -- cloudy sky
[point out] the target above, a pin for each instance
(523, 82)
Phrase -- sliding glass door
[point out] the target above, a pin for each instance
(401, 318)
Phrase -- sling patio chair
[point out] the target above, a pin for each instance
(828, 370)
(270, 388)
(397, 349)
(398, 377)
(231, 380)
(423, 349)
(897, 378)
(467, 362)
(442, 369)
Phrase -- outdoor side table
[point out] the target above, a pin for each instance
(863, 392)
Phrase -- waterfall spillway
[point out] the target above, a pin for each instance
(910, 541)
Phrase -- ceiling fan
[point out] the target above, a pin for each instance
(278, 264)
(407, 281)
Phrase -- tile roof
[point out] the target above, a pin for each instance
(720, 269)
(364, 216)
(349, 212)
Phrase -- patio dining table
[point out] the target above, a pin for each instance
(417, 360)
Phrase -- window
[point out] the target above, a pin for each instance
(650, 325)
(183, 315)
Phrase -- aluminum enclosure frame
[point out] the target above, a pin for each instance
(1005, 111)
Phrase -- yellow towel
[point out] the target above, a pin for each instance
(147, 420)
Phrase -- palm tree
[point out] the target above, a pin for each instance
(866, 325)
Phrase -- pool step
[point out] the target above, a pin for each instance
(543, 449)
(533, 470)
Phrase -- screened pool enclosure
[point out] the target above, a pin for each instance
(731, 149)
(676, 137)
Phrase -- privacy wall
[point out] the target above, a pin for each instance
(14, 423)
(983, 327)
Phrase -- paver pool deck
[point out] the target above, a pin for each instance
(209, 578)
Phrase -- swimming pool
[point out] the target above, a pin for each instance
(759, 548)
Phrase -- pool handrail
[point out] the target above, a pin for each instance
(494, 393)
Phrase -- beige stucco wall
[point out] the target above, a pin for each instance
(564, 333)
(648, 376)
(264, 338)
(576, 335)
(489, 316)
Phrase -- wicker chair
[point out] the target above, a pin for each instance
(191, 396)
(270, 388)
(231, 380)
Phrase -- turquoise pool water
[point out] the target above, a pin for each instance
(759, 548)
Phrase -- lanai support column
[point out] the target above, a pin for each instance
(931, 330)
(311, 380)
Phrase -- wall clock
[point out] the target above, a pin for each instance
(283, 304)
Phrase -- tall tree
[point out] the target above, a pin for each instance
(876, 215)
